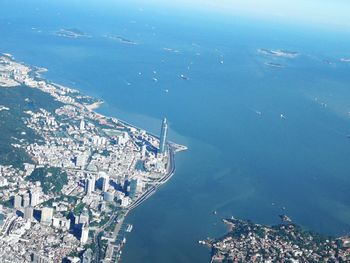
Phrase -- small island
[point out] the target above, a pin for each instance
(278, 53)
(70, 33)
(274, 65)
(121, 39)
(287, 242)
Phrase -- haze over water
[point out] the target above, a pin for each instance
(239, 162)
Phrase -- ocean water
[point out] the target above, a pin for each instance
(239, 163)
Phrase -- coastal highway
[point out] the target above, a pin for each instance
(164, 179)
(170, 172)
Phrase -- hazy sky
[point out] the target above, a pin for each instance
(324, 12)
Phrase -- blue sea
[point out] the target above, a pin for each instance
(262, 140)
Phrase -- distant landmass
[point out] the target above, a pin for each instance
(71, 33)
(274, 65)
(278, 53)
(121, 39)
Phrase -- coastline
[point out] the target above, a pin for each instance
(94, 106)
(246, 241)
(51, 88)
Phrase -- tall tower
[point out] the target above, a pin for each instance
(163, 136)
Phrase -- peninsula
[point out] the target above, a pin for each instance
(287, 242)
(69, 175)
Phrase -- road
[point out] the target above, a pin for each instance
(170, 172)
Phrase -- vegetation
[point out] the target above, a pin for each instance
(52, 179)
(13, 128)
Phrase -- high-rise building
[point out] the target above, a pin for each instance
(143, 150)
(163, 136)
(108, 196)
(26, 200)
(105, 183)
(46, 215)
(28, 213)
(87, 256)
(84, 237)
(135, 187)
(83, 218)
(17, 201)
(34, 197)
(89, 185)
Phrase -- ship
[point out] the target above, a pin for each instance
(184, 77)
(129, 228)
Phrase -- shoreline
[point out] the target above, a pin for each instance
(74, 98)
(94, 106)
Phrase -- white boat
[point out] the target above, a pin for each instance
(129, 228)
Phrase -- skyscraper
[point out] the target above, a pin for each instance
(34, 196)
(26, 200)
(105, 183)
(163, 136)
(84, 237)
(46, 215)
(89, 185)
(28, 213)
(17, 201)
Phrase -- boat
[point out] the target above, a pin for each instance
(129, 228)
(184, 77)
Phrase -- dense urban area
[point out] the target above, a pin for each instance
(68, 175)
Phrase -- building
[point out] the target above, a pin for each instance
(28, 213)
(163, 136)
(61, 223)
(108, 196)
(89, 185)
(3, 182)
(26, 200)
(143, 150)
(122, 138)
(17, 201)
(34, 197)
(36, 258)
(105, 182)
(46, 215)
(84, 237)
(80, 160)
(82, 125)
(99, 141)
(83, 218)
(124, 201)
(87, 256)
(136, 186)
